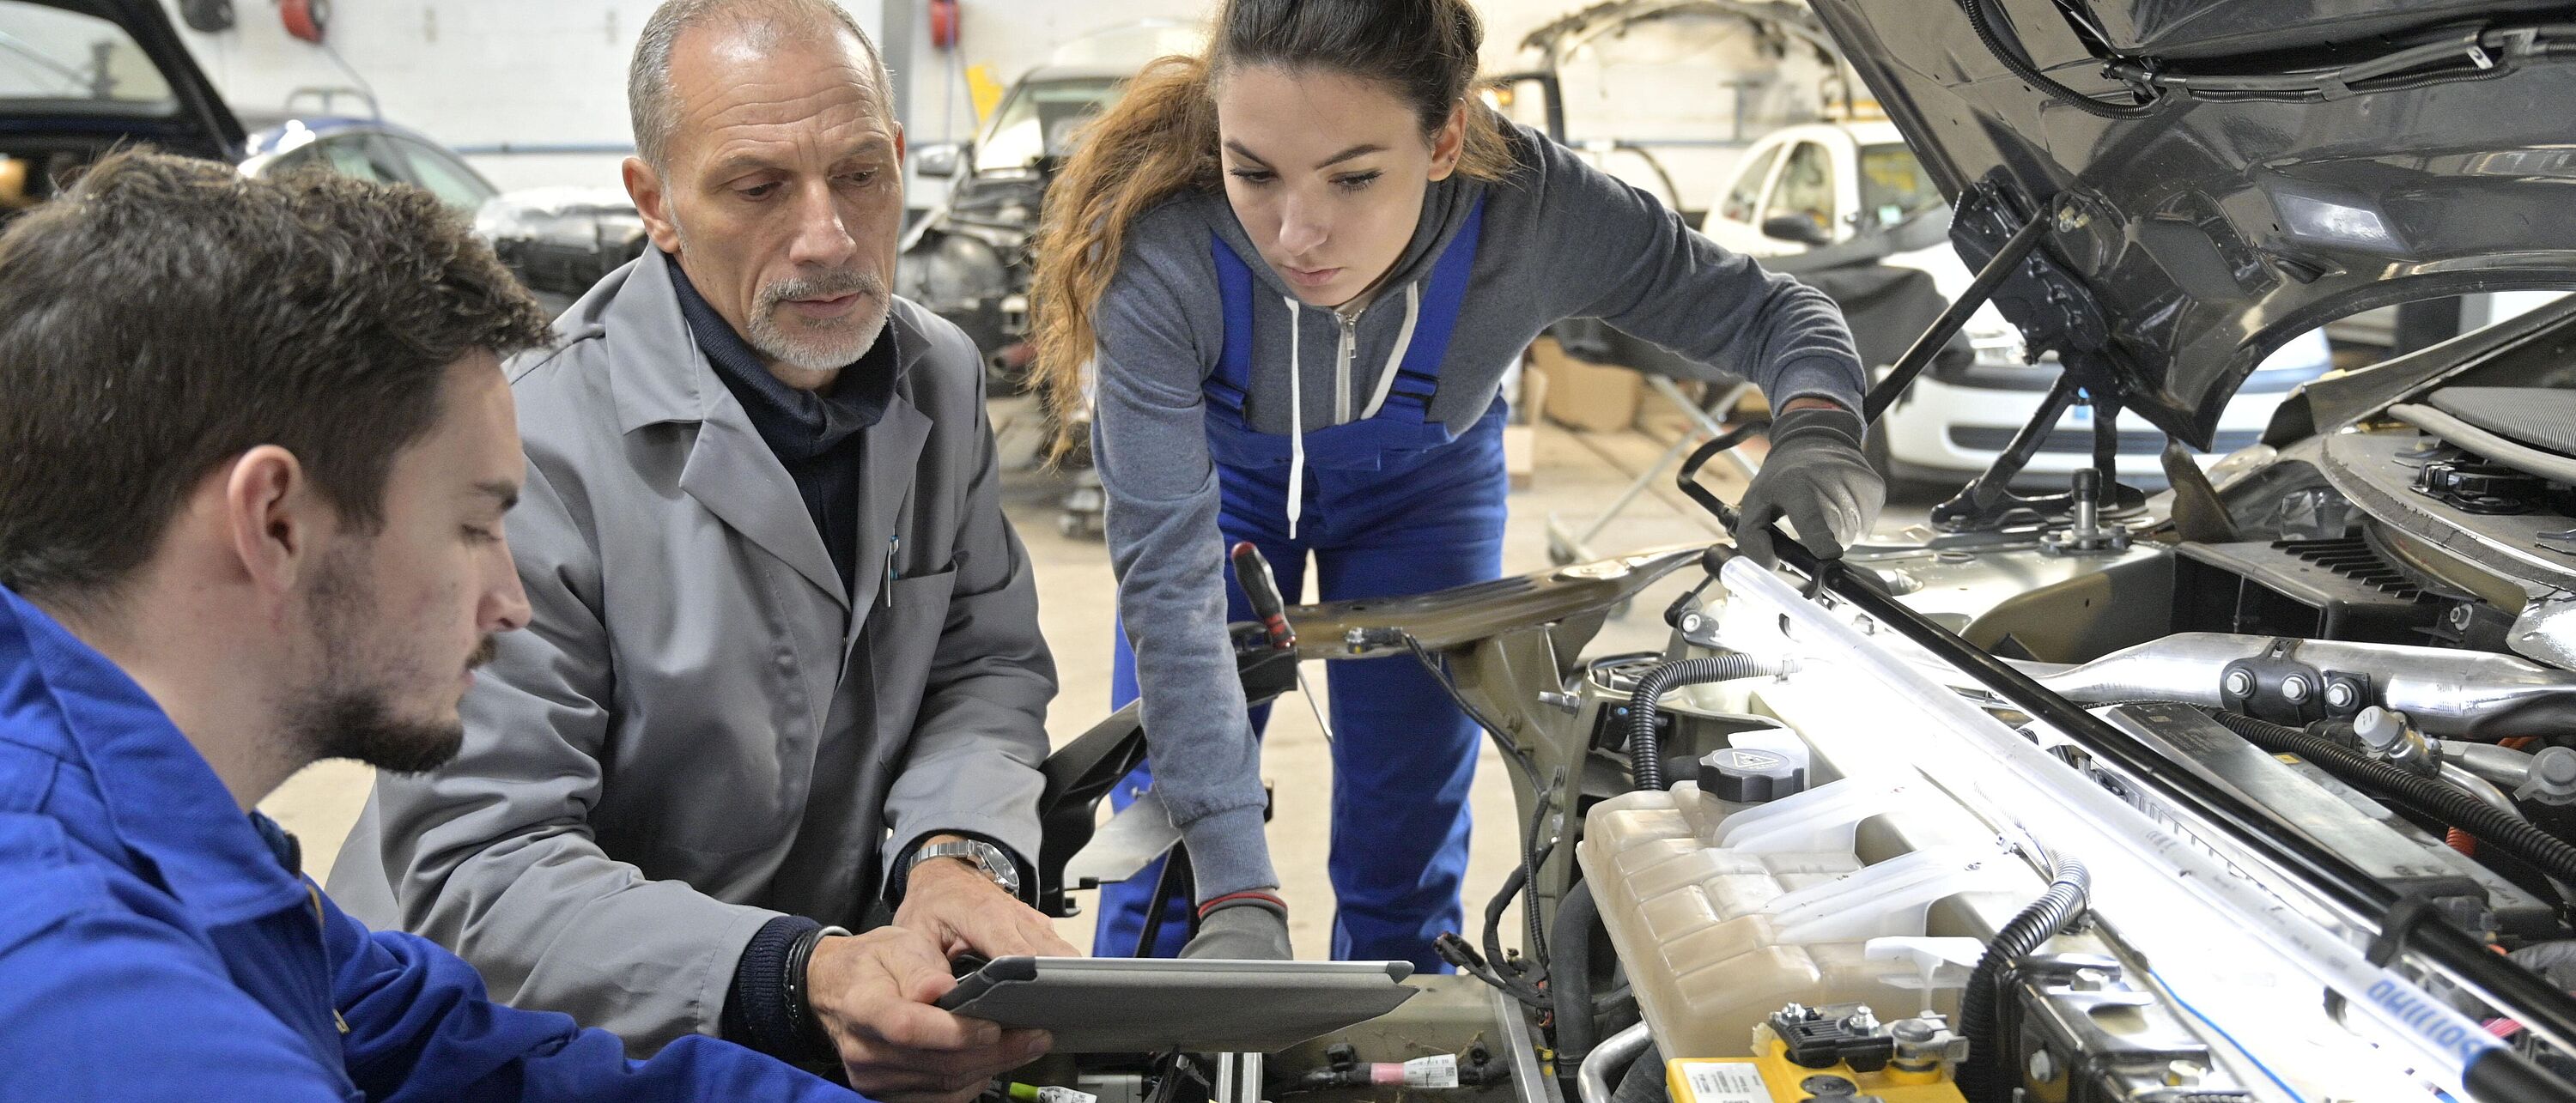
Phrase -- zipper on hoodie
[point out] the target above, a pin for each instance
(1342, 367)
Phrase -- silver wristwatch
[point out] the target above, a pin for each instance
(995, 862)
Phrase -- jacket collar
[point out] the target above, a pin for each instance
(657, 375)
(658, 371)
(163, 800)
(799, 425)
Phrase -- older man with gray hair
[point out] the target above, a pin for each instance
(784, 667)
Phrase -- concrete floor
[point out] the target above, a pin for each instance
(1577, 475)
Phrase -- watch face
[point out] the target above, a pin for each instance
(998, 867)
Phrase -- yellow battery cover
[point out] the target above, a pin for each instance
(1776, 1079)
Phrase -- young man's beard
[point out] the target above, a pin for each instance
(356, 724)
(348, 711)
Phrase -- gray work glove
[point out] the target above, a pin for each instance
(1816, 479)
(1242, 929)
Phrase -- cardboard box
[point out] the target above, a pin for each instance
(1585, 396)
(1520, 454)
(1532, 401)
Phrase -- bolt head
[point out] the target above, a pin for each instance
(1691, 622)
(2340, 695)
(2240, 684)
(2459, 616)
(2043, 1067)
(1828, 1086)
(2295, 689)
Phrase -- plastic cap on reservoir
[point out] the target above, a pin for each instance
(1746, 775)
(2553, 777)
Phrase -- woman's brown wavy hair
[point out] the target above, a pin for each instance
(1160, 140)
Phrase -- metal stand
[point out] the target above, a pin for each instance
(1085, 507)
(1566, 547)
(1238, 1077)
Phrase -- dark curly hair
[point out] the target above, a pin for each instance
(166, 314)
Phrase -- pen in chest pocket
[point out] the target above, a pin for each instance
(885, 593)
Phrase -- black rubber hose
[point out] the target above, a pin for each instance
(1513, 883)
(1534, 853)
(1570, 984)
(2492, 825)
(1645, 749)
(1644, 1080)
(2009, 53)
(1981, 1005)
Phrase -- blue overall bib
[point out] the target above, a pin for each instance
(1394, 505)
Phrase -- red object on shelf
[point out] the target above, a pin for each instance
(306, 19)
(943, 24)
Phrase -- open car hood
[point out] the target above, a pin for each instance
(2236, 173)
(193, 120)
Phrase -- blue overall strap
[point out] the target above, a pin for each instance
(1231, 386)
(1443, 296)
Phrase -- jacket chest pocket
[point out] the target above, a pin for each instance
(901, 647)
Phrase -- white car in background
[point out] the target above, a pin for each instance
(1820, 184)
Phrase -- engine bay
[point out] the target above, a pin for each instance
(2269, 798)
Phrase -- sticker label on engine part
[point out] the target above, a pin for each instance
(1065, 1095)
(1725, 1082)
(1431, 1072)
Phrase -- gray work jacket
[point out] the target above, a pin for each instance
(686, 742)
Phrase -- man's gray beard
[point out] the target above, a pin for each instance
(774, 340)
(345, 711)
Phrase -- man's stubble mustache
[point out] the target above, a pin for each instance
(826, 286)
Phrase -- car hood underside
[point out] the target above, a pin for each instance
(2221, 177)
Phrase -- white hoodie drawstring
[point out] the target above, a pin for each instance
(1403, 345)
(1296, 422)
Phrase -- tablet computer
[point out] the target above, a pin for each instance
(1148, 1005)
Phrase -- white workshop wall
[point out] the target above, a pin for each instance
(475, 74)
(479, 74)
(1664, 83)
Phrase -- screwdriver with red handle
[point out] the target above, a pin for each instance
(1252, 572)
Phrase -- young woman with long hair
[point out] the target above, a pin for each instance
(1299, 267)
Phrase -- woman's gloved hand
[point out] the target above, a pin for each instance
(1242, 927)
(1816, 479)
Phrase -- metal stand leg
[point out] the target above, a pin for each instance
(1565, 547)
(1176, 883)
(1707, 422)
(1238, 1078)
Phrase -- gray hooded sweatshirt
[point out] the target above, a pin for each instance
(1560, 240)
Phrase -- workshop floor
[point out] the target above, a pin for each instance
(1577, 475)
